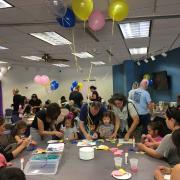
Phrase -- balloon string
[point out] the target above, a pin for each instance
(76, 61)
(88, 102)
(84, 26)
(110, 49)
(113, 28)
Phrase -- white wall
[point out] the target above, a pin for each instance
(22, 78)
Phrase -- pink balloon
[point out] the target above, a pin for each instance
(44, 80)
(96, 21)
(37, 79)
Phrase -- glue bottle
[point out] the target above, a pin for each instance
(133, 141)
(22, 163)
(126, 157)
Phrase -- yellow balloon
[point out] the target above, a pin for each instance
(146, 76)
(82, 8)
(80, 85)
(118, 10)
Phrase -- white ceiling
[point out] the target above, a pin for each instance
(28, 16)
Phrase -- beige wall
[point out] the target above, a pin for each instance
(22, 78)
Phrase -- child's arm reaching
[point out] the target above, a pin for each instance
(18, 140)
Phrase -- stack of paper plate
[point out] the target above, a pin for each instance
(86, 153)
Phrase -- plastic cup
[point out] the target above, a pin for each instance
(134, 164)
(118, 162)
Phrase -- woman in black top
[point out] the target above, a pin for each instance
(16, 101)
(44, 122)
(95, 96)
(35, 103)
(21, 147)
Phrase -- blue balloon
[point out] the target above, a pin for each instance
(74, 84)
(68, 20)
(71, 88)
(150, 82)
(54, 85)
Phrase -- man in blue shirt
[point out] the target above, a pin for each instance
(142, 100)
(90, 116)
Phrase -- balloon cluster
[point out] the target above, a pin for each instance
(75, 84)
(42, 80)
(3, 71)
(45, 81)
(83, 9)
(148, 77)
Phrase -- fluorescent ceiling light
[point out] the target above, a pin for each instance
(135, 29)
(33, 58)
(96, 63)
(61, 65)
(146, 61)
(136, 51)
(83, 55)
(1, 47)
(2, 62)
(153, 58)
(52, 38)
(164, 54)
(4, 4)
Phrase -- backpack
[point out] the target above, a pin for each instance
(130, 121)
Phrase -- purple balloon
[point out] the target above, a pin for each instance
(96, 21)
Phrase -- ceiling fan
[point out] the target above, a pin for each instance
(48, 58)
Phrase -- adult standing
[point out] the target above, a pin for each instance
(43, 125)
(142, 100)
(95, 95)
(35, 103)
(126, 114)
(76, 96)
(16, 101)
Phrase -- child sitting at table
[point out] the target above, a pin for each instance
(19, 132)
(106, 129)
(69, 130)
(154, 136)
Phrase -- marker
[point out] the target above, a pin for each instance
(133, 140)
(22, 163)
(126, 157)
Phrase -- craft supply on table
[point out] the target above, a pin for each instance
(86, 143)
(55, 148)
(113, 149)
(118, 162)
(126, 157)
(121, 174)
(45, 157)
(22, 163)
(40, 151)
(55, 141)
(103, 147)
(134, 165)
(113, 141)
(86, 153)
(122, 141)
(118, 153)
(45, 164)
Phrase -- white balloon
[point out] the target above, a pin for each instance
(3, 70)
(1, 75)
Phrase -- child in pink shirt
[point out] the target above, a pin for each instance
(154, 136)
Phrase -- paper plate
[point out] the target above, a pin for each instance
(126, 176)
